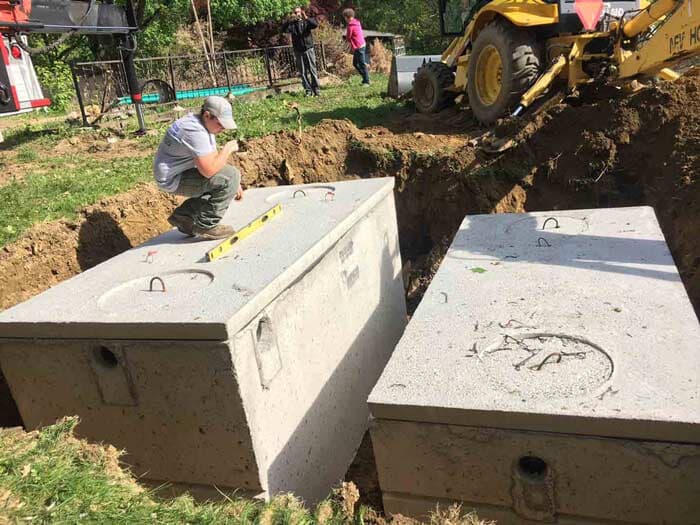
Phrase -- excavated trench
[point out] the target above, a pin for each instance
(636, 150)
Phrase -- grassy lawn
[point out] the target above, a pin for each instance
(51, 477)
(56, 185)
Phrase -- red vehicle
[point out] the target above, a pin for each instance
(67, 17)
(20, 90)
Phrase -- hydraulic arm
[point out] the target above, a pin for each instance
(647, 44)
(656, 47)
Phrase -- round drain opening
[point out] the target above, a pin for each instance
(532, 467)
(106, 357)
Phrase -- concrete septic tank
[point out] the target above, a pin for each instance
(249, 373)
(550, 374)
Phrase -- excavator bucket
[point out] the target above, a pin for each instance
(403, 70)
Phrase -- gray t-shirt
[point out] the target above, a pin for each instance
(185, 140)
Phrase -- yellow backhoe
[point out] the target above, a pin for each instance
(507, 53)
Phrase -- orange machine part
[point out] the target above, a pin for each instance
(14, 13)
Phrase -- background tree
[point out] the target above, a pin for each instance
(417, 20)
(250, 12)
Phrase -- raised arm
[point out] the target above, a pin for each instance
(210, 165)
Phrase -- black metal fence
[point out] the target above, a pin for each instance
(103, 86)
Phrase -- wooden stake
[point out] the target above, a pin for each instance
(204, 43)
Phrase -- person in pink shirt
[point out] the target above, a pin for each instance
(356, 39)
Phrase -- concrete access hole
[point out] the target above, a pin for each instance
(105, 357)
(532, 467)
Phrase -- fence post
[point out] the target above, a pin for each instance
(76, 84)
(228, 76)
(268, 66)
(323, 57)
(172, 75)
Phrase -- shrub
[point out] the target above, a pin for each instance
(338, 57)
(57, 83)
(380, 58)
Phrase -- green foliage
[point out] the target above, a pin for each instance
(250, 12)
(417, 20)
(158, 37)
(57, 84)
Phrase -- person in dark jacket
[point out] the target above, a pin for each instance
(300, 26)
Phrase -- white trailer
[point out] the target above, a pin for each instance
(20, 90)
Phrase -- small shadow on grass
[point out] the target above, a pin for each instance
(24, 136)
(360, 116)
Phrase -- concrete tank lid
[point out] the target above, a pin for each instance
(204, 300)
(584, 328)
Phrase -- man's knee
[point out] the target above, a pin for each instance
(227, 179)
(227, 176)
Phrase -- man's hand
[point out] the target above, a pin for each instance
(303, 15)
(210, 165)
(231, 147)
(239, 193)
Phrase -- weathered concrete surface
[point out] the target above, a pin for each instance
(204, 300)
(280, 404)
(593, 334)
(540, 343)
(587, 480)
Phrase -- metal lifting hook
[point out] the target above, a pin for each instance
(556, 222)
(154, 280)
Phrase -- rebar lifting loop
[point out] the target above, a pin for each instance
(294, 196)
(156, 279)
(556, 222)
(542, 242)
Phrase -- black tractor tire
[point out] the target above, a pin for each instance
(430, 87)
(521, 59)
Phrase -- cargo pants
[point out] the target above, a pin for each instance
(209, 198)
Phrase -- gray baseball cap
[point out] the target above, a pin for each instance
(220, 108)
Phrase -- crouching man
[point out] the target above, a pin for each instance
(188, 163)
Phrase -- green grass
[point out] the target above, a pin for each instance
(51, 477)
(57, 186)
(363, 106)
(62, 191)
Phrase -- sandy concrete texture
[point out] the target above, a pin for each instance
(272, 398)
(566, 321)
(203, 300)
(550, 375)
(585, 479)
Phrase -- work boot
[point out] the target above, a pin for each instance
(182, 223)
(220, 231)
